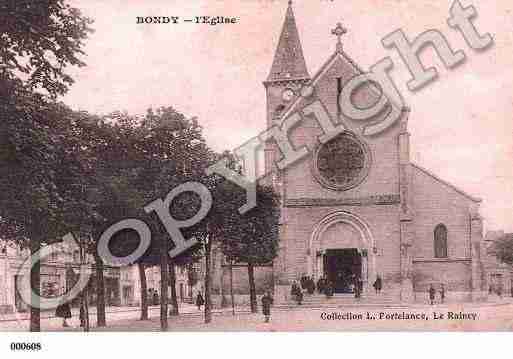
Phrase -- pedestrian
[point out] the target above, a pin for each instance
(378, 284)
(267, 301)
(321, 284)
(431, 294)
(199, 300)
(303, 281)
(82, 315)
(63, 311)
(328, 289)
(357, 285)
(442, 293)
(310, 286)
(296, 292)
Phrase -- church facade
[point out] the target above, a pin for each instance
(356, 206)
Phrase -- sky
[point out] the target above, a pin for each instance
(461, 125)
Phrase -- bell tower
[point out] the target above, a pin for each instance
(288, 74)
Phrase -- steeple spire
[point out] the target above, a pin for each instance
(289, 63)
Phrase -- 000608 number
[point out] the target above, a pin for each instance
(26, 346)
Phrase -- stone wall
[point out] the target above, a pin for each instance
(438, 202)
(263, 280)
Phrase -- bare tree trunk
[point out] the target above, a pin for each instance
(35, 282)
(84, 311)
(164, 283)
(252, 290)
(231, 287)
(208, 300)
(144, 291)
(172, 284)
(84, 305)
(100, 292)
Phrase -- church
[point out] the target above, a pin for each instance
(357, 206)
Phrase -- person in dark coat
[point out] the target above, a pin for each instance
(303, 281)
(328, 289)
(310, 286)
(321, 284)
(296, 292)
(82, 315)
(431, 294)
(378, 284)
(442, 293)
(63, 311)
(267, 301)
(199, 300)
(149, 297)
(358, 286)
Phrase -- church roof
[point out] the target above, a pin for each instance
(338, 54)
(289, 62)
(430, 174)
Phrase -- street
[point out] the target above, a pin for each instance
(453, 317)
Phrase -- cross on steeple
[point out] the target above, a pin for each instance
(338, 32)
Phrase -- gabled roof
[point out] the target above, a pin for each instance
(289, 62)
(435, 177)
(338, 54)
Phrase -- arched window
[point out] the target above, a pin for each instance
(440, 241)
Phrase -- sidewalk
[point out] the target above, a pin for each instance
(184, 308)
(488, 318)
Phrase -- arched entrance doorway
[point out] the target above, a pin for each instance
(341, 248)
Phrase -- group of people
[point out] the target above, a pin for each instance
(326, 287)
(432, 294)
(153, 297)
(64, 311)
(308, 284)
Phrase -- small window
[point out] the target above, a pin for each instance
(440, 241)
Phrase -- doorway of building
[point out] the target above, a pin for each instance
(342, 267)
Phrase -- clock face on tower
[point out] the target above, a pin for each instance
(287, 95)
(341, 163)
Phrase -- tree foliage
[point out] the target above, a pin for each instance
(251, 237)
(39, 39)
(502, 248)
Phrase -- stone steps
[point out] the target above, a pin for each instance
(343, 300)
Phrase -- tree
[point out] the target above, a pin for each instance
(115, 169)
(502, 248)
(144, 290)
(33, 146)
(175, 152)
(251, 237)
(156, 153)
(39, 40)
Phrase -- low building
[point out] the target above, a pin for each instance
(60, 270)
